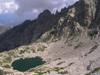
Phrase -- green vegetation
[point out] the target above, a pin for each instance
(95, 70)
(47, 38)
(57, 69)
(11, 53)
(44, 70)
(0, 55)
(16, 48)
(77, 46)
(92, 33)
(27, 48)
(33, 50)
(8, 73)
(22, 51)
(57, 59)
(0, 63)
(69, 44)
(92, 49)
(73, 36)
(71, 63)
(63, 67)
(65, 72)
(6, 66)
(40, 71)
(61, 63)
(52, 31)
(32, 70)
(8, 59)
(55, 39)
(89, 33)
(1, 73)
(41, 48)
(77, 40)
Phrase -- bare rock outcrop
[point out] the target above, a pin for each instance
(4, 28)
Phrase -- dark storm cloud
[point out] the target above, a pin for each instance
(36, 6)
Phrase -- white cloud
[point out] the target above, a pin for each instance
(6, 11)
(55, 9)
(35, 11)
(64, 0)
(0, 11)
(16, 7)
(8, 6)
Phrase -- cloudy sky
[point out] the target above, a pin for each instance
(29, 9)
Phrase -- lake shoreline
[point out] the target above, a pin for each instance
(22, 62)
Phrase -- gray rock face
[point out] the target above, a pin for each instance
(88, 12)
(4, 28)
(82, 14)
(70, 21)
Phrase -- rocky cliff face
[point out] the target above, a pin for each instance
(72, 20)
(83, 14)
(4, 28)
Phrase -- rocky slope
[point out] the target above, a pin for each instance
(4, 28)
(78, 56)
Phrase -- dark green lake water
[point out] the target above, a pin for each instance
(26, 64)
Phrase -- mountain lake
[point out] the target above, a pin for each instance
(27, 63)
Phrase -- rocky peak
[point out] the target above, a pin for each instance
(64, 10)
(44, 13)
(27, 21)
(56, 12)
(44, 16)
